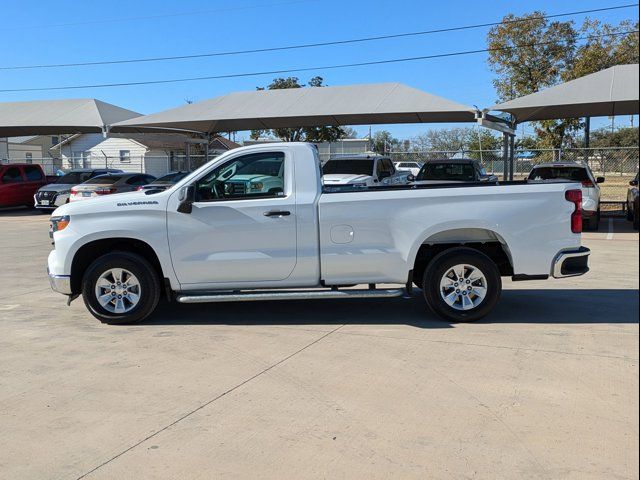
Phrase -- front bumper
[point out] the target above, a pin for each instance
(60, 283)
(571, 263)
(52, 202)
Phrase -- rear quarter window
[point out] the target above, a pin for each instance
(33, 174)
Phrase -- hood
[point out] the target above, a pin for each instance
(57, 187)
(248, 177)
(344, 178)
(115, 201)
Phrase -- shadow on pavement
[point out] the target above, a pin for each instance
(22, 212)
(515, 306)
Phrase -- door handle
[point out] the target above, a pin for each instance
(277, 213)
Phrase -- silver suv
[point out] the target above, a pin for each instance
(575, 172)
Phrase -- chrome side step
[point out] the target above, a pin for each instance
(253, 296)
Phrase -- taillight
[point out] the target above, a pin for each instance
(105, 191)
(74, 191)
(588, 184)
(575, 197)
(140, 188)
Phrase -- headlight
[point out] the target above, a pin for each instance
(257, 186)
(58, 224)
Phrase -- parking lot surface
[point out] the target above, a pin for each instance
(546, 387)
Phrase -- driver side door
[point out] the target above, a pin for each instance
(242, 228)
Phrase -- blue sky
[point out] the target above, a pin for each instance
(40, 32)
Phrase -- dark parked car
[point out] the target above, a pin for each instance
(109, 184)
(453, 171)
(633, 203)
(164, 182)
(54, 194)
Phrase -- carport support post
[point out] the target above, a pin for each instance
(512, 153)
(505, 156)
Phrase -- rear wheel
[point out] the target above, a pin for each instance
(593, 223)
(120, 287)
(462, 285)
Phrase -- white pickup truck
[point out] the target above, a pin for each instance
(362, 171)
(202, 241)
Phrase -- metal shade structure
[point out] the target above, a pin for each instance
(51, 117)
(377, 103)
(613, 91)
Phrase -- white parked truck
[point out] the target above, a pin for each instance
(203, 240)
(362, 171)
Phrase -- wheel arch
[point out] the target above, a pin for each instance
(484, 240)
(88, 252)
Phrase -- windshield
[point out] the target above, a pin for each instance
(577, 174)
(359, 167)
(74, 178)
(447, 171)
(171, 178)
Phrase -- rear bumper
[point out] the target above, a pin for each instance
(60, 283)
(571, 263)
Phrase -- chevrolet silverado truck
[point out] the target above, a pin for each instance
(201, 241)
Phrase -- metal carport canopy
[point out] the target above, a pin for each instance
(52, 117)
(378, 103)
(613, 91)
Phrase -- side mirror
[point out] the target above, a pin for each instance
(633, 183)
(411, 178)
(186, 197)
(600, 180)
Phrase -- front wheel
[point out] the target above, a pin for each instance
(462, 285)
(120, 287)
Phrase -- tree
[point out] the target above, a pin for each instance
(529, 53)
(299, 134)
(349, 132)
(383, 142)
(457, 139)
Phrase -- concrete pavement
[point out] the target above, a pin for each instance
(546, 387)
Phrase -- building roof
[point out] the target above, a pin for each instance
(23, 139)
(223, 144)
(609, 92)
(377, 103)
(148, 140)
(52, 117)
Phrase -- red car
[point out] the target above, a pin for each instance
(19, 182)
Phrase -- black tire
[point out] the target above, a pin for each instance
(636, 215)
(150, 287)
(593, 223)
(437, 269)
(629, 212)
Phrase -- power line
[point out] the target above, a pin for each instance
(302, 69)
(311, 45)
(154, 17)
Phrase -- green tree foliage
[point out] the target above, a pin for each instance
(622, 137)
(300, 134)
(536, 53)
(383, 142)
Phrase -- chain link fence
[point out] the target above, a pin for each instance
(617, 165)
